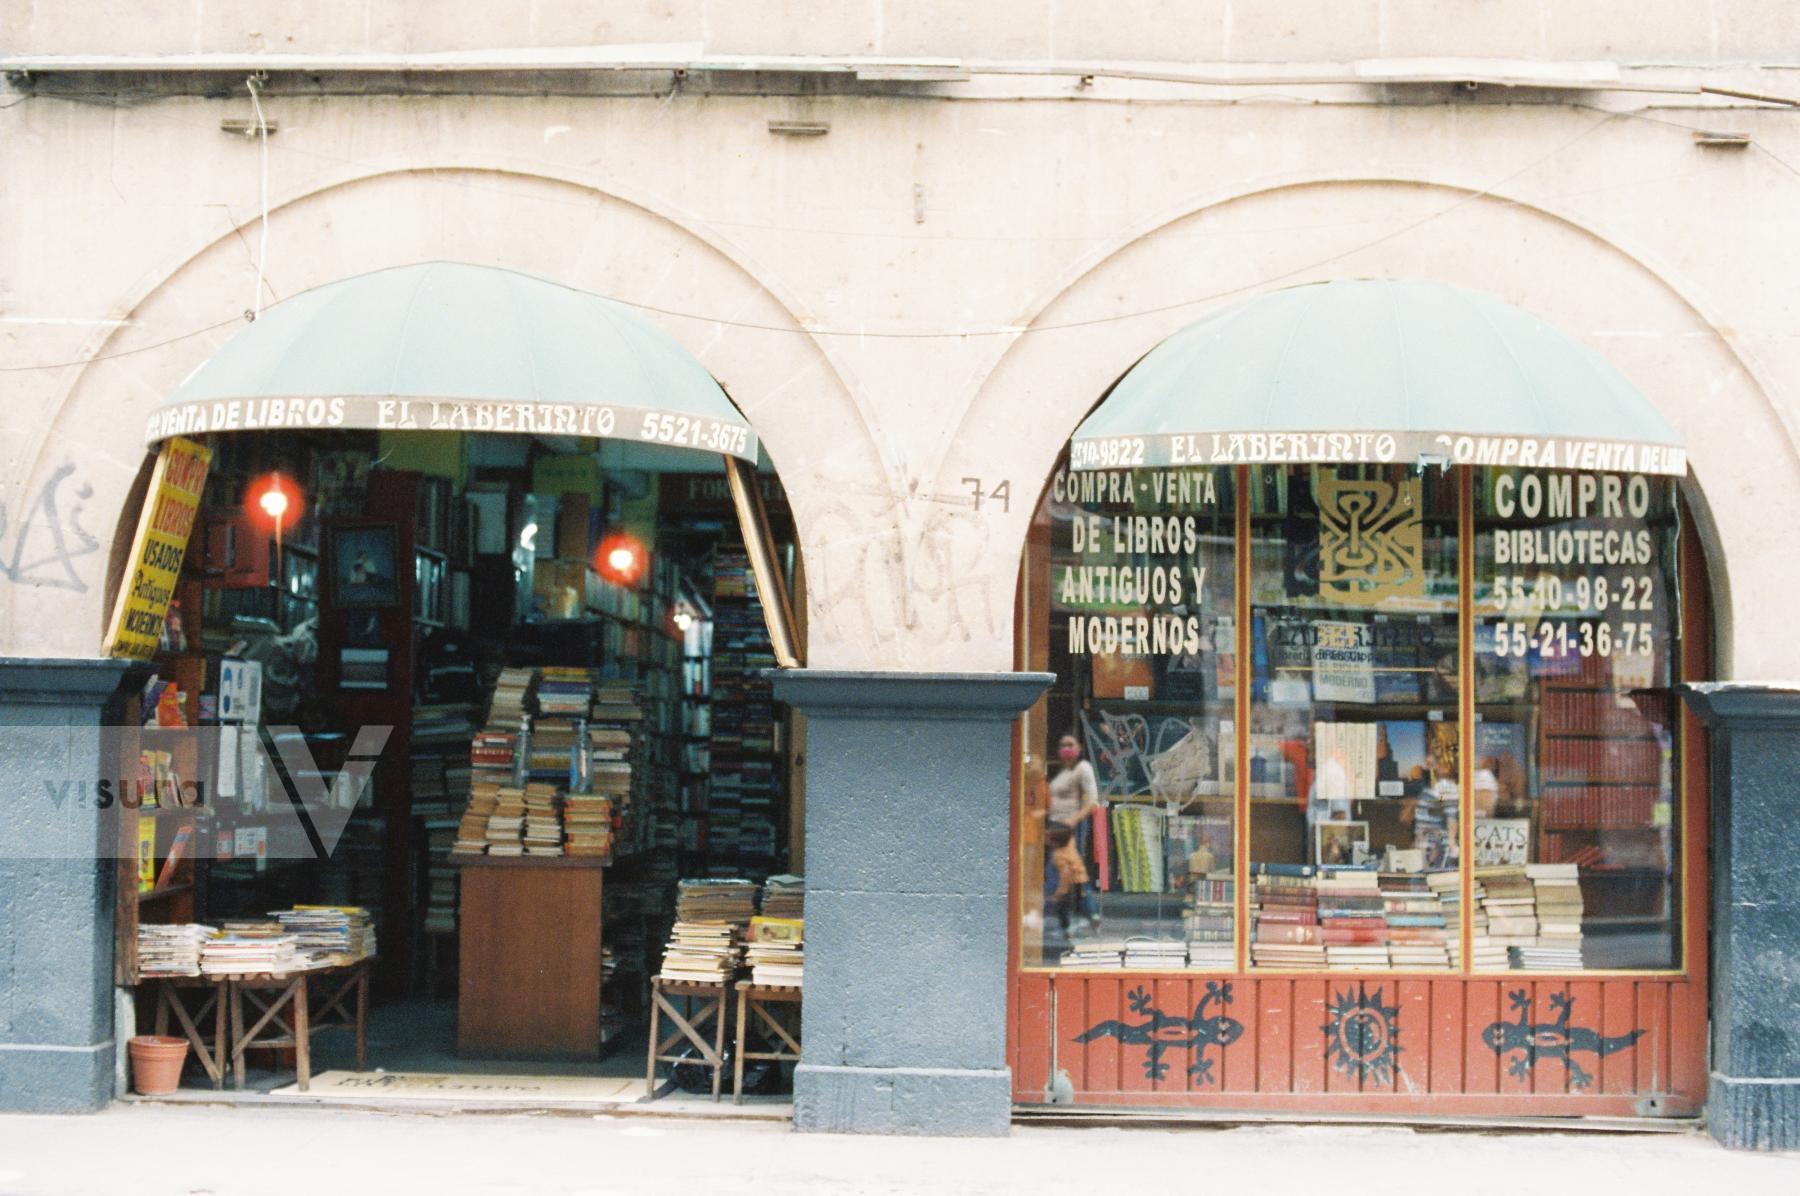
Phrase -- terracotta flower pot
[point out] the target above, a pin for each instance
(156, 1063)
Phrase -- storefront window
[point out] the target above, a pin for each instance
(1576, 844)
(1354, 778)
(1129, 856)
(1371, 816)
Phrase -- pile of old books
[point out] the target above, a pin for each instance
(472, 830)
(1510, 902)
(705, 943)
(543, 825)
(242, 947)
(1094, 957)
(1352, 920)
(1208, 919)
(784, 896)
(1485, 955)
(507, 708)
(587, 825)
(507, 822)
(1155, 955)
(776, 951)
(328, 935)
(564, 692)
(1447, 888)
(702, 952)
(171, 950)
(491, 755)
(1285, 918)
(1557, 891)
(1418, 936)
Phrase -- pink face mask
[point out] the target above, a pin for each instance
(1069, 754)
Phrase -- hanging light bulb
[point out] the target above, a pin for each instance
(621, 558)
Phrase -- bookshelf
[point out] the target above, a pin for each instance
(744, 818)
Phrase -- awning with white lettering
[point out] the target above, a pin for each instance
(455, 347)
(1370, 371)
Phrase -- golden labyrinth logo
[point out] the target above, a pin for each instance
(1371, 540)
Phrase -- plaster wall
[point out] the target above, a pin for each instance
(919, 304)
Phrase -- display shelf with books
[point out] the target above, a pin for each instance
(745, 813)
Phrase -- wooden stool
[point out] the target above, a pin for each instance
(169, 1000)
(756, 999)
(691, 1027)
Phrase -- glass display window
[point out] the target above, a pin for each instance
(1352, 718)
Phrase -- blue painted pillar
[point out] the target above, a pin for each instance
(907, 846)
(1753, 1092)
(56, 888)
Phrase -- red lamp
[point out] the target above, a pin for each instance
(621, 558)
(275, 500)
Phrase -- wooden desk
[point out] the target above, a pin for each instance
(528, 967)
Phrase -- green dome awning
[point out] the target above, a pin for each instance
(456, 347)
(1377, 372)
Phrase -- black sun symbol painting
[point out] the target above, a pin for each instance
(1363, 1035)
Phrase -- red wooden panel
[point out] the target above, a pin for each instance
(1072, 1021)
(1308, 1036)
(1274, 1014)
(1618, 1016)
(1412, 1072)
(1171, 997)
(1238, 1070)
(1446, 1035)
(1514, 1080)
(1105, 1000)
(1481, 1066)
(1132, 1058)
(1551, 1075)
(1587, 1003)
(1031, 1046)
(1338, 990)
(1653, 1048)
(1687, 1043)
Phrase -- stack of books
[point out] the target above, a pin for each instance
(507, 709)
(1209, 917)
(1094, 957)
(564, 692)
(1447, 888)
(702, 952)
(1557, 890)
(244, 947)
(715, 900)
(1155, 955)
(328, 935)
(1285, 918)
(587, 824)
(784, 896)
(1485, 955)
(491, 755)
(472, 830)
(543, 826)
(776, 951)
(507, 822)
(1418, 933)
(1352, 920)
(171, 950)
(551, 756)
(1510, 902)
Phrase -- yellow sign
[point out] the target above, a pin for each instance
(1371, 542)
(170, 509)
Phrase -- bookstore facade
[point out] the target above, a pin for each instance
(1303, 553)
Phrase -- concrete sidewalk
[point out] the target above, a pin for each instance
(146, 1150)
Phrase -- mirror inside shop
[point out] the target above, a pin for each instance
(1309, 631)
(464, 744)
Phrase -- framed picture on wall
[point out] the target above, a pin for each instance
(364, 564)
(1341, 844)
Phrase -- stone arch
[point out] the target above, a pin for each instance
(487, 212)
(1673, 345)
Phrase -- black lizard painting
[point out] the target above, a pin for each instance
(1551, 1040)
(1163, 1032)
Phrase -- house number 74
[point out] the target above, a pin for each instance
(1001, 494)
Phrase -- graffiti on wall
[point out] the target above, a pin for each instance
(41, 543)
(1362, 1037)
(1551, 1040)
(1162, 1032)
